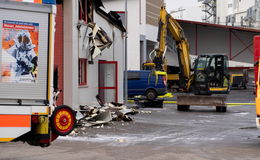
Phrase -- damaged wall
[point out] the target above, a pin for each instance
(74, 94)
(114, 53)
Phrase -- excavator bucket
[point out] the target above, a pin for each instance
(199, 100)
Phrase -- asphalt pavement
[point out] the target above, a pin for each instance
(160, 134)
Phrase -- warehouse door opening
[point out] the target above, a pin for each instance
(108, 77)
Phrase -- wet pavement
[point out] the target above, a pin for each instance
(165, 133)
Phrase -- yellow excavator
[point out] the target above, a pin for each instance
(209, 76)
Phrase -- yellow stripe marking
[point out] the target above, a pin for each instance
(46, 113)
(40, 113)
(218, 89)
(234, 104)
(229, 104)
(6, 139)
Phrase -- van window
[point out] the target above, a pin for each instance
(133, 75)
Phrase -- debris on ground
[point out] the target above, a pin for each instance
(146, 112)
(167, 95)
(99, 115)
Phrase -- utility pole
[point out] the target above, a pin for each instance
(125, 71)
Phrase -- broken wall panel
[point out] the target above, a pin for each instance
(114, 53)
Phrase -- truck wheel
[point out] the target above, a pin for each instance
(183, 107)
(221, 109)
(150, 94)
(63, 120)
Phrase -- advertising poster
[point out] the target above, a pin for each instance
(19, 57)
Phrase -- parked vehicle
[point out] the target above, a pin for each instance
(28, 111)
(239, 81)
(147, 82)
(257, 69)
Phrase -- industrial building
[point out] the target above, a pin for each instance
(79, 72)
(84, 74)
(242, 13)
(142, 22)
(236, 41)
(76, 68)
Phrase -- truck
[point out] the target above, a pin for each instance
(256, 71)
(27, 100)
(144, 82)
(239, 80)
(210, 73)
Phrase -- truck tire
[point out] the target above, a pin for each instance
(221, 108)
(183, 107)
(62, 120)
(151, 94)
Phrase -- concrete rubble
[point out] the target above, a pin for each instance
(99, 115)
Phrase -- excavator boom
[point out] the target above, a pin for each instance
(211, 78)
(210, 74)
(167, 24)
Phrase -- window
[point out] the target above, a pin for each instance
(82, 10)
(230, 5)
(83, 71)
(86, 10)
(133, 75)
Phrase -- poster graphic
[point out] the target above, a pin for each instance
(19, 52)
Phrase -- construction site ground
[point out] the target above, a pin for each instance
(159, 134)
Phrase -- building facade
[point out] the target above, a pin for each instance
(244, 13)
(86, 73)
(142, 27)
(88, 53)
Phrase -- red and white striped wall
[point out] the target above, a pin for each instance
(32, 1)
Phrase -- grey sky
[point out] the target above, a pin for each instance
(175, 4)
(192, 10)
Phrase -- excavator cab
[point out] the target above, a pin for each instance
(211, 75)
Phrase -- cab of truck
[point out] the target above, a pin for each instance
(148, 83)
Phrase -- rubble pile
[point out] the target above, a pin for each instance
(104, 113)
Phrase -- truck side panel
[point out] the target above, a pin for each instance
(26, 28)
(16, 89)
(14, 122)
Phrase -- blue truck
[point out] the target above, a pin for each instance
(148, 83)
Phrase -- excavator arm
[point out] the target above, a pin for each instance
(168, 25)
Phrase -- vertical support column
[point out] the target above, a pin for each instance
(196, 39)
(70, 53)
(58, 52)
(126, 52)
(230, 44)
(143, 48)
